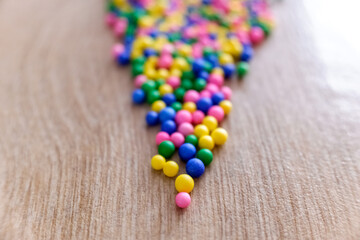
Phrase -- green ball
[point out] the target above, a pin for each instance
(207, 51)
(139, 60)
(186, 84)
(191, 139)
(187, 75)
(166, 149)
(137, 69)
(177, 106)
(208, 66)
(242, 68)
(205, 155)
(152, 96)
(159, 82)
(175, 54)
(148, 86)
(199, 84)
(179, 94)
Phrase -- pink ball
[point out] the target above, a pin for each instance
(191, 96)
(217, 112)
(227, 92)
(186, 128)
(212, 88)
(183, 116)
(116, 50)
(139, 80)
(162, 136)
(256, 35)
(110, 19)
(216, 79)
(165, 61)
(167, 49)
(120, 27)
(177, 139)
(173, 81)
(205, 93)
(198, 117)
(183, 200)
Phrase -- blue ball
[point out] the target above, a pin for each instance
(124, 58)
(152, 118)
(169, 99)
(167, 113)
(217, 98)
(203, 74)
(149, 52)
(198, 65)
(187, 151)
(206, 2)
(138, 96)
(195, 167)
(168, 126)
(247, 53)
(229, 70)
(212, 36)
(203, 104)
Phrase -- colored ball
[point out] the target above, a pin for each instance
(166, 149)
(220, 136)
(167, 113)
(226, 105)
(152, 96)
(183, 116)
(190, 106)
(157, 162)
(247, 53)
(183, 199)
(191, 139)
(168, 126)
(177, 139)
(205, 155)
(195, 167)
(169, 99)
(227, 92)
(217, 112)
(138, 96)
(203, 104)
(229, 70)
(191, 96)
(152, 118)
(242, 68)
(216, 98)
(256, 35)
(186, 128)
(206, 142)
(210, 122)
(162, 136)
(184, 183)
(170, 169)
(201, 130)
(158, 105)
(197, 117)
(176, 106)
(187, 151)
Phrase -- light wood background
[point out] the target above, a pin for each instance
(75, 153)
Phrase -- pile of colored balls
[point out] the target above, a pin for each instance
(180, 53)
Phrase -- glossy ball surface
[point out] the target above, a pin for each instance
(195, 167)
(184, 183)
(170, 169)
(183, 199)
(166, 149)
(157, 162)
(205, 155)
(187, 151)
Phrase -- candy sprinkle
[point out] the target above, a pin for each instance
(181, 52)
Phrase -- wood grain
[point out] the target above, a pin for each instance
(74, 152)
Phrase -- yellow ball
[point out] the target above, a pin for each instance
(150, 73)
(226, 105)
(218, 70)
(201, 130)
(206, 142)
(158, 162)
(219, 136)
(210, 122)
(162, 73)
(146, 21)
(152, 60)
(158, 105)
(190, 106)
(185, 50)
(225, 58)
(146, 41)
(171, 169)
(184, 183)
(164, 89)
(175, 72)
(180, 63)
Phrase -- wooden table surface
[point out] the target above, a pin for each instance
(75, 153)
